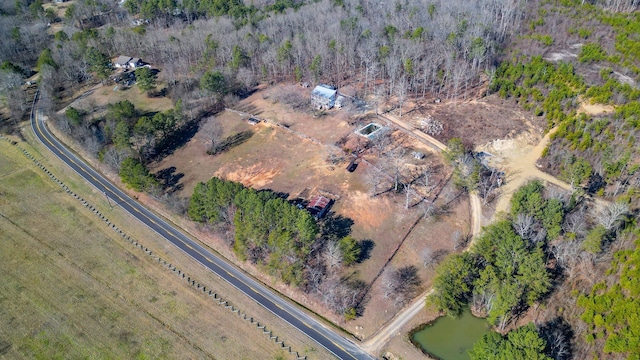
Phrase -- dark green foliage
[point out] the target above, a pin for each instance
(529, 200)
(512, 271)
(593, 241)
(6, 65)
(214, 82)
(122, 135)
(502, 272)
(612, 310)
(239, 58)
(121, 111)
(453, 283)
(46, 59)
(268, 230)
(523, 343)
(136, 175)
(146, 78)
(577, 170)
(350, 250)
(74, 116)
(98, 63)
(552, 216)
(456, 149)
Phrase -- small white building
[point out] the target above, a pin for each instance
(122, 62)
(136, 63)
(127, 62)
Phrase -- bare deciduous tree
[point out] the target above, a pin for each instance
(575, 224)
(374, 178)
(402, 284)
(428, 257)
(610, 215)
(458, 240)
(380, 142)
(333, 255)
(488, 185)
(523, 225)
(212, 133)
(334, 156)
(394, 162)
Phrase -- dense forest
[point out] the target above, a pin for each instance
(389, 48)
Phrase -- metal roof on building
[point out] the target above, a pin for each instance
(324, 91)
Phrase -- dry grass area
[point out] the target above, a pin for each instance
(70, 287)
(278, 159)
(434, 233)
(101, 96)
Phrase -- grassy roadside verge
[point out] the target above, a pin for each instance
(95, 293)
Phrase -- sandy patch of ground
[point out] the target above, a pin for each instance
(595, 109)
(517, 157)
(256, 176)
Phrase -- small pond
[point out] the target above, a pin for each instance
(449, 338)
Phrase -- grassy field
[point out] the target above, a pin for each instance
(71, 288)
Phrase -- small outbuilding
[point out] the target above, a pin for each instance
(319, 206)
(135, 63)
(324, 96)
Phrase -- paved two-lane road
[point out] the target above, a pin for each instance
(327, 338)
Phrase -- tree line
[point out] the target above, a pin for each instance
(391, 49)
(282, 238)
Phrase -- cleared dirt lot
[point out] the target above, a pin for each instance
(292, 160)
(478, 121)
(70, 287)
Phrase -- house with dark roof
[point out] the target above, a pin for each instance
(324, 96)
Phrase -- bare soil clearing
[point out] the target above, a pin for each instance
(477, 121)
(518, 157)
(595, 109)
(82, 290)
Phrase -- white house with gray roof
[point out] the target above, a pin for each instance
(324, 96)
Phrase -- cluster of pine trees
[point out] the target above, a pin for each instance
(268, 229)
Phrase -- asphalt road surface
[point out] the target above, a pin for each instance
(327, 338)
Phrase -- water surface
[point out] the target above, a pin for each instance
(449, 338)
